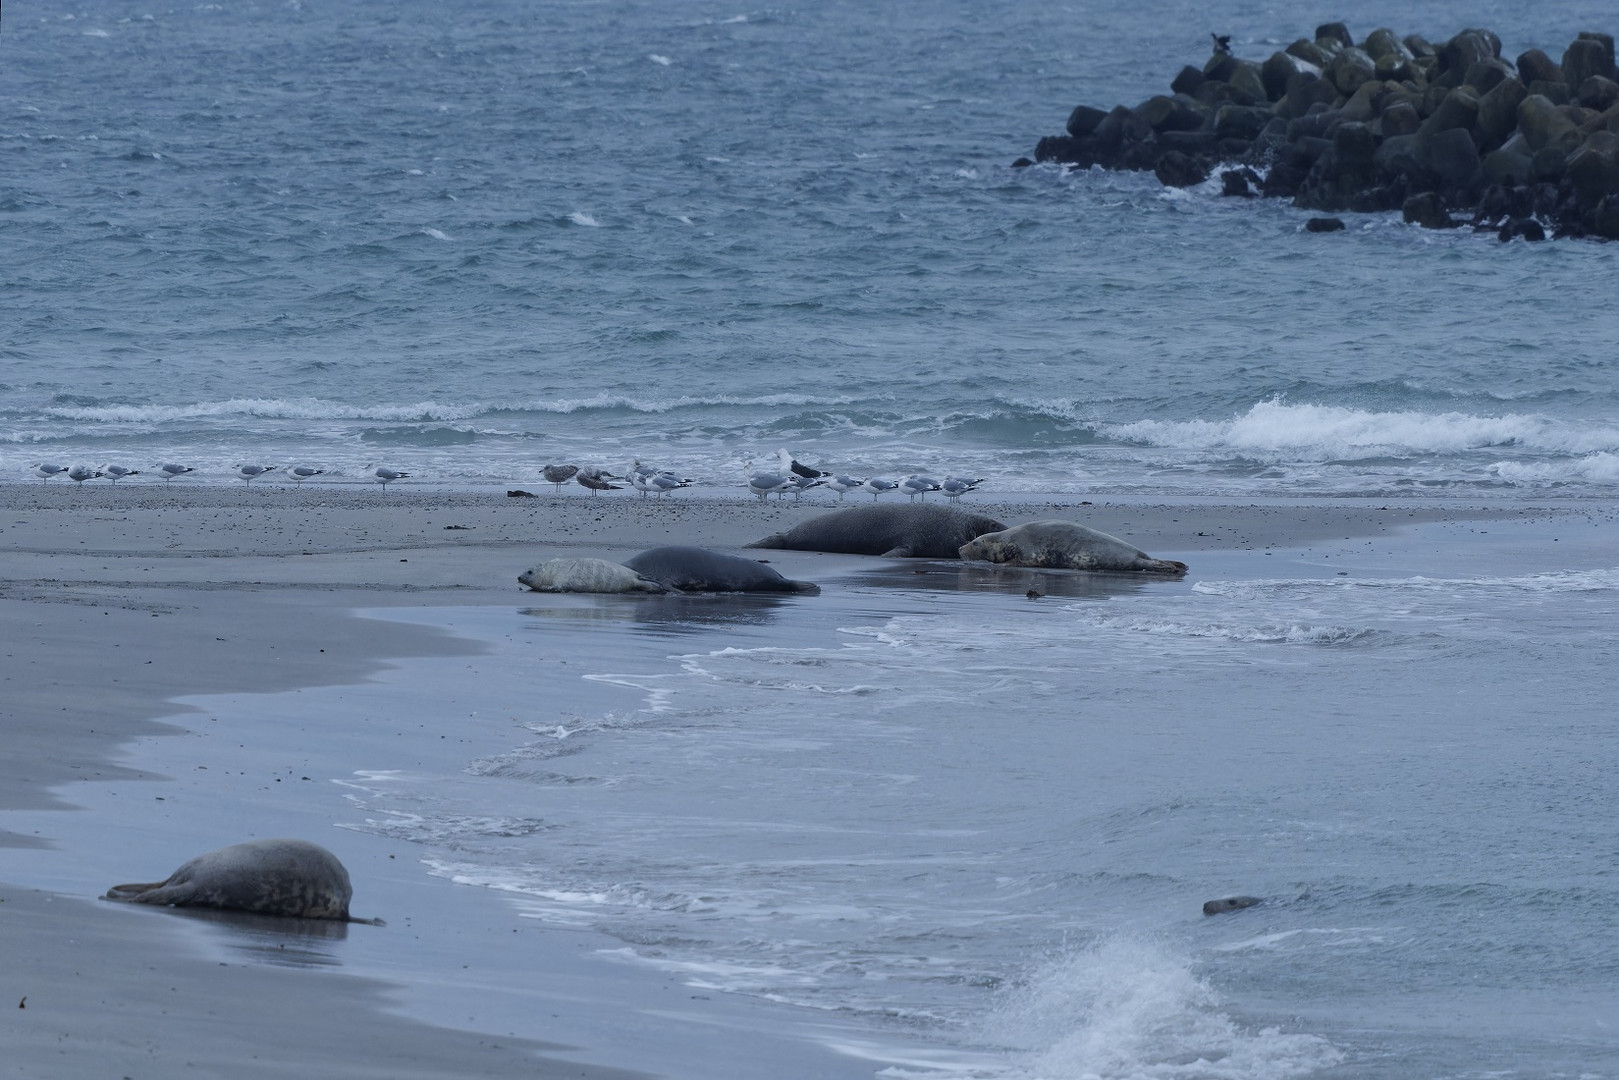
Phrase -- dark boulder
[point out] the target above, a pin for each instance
(1497, 116)
(1275, 73)
(1334, 32)
(1382, 42)
(1536, 66)
(1584, 58)
(1349, 69)
(1239, 183)
(1179, 170)
(1310, 52)
(1187, 82)
(1400, 118)
(1526, 228)
(1452, 160)
(1426, 210)
(1084, 120)
(1598, 93)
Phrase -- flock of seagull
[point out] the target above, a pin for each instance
(169, 470)
(790, 475)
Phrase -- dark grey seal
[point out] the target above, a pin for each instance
(1063, 545)
(1230, 904)
(904, 532)
(269, 877)
(695, 569)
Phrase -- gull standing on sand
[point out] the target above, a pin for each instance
(789, 464)
(116, 473)
(876, 486)
(800, 484)
(918, 485)
(385, 476)
(557, 475)
(300, 473)
(250, 473)
(954, 487)
(597, 480)
(46, 470)
(843, 485)
(170, 470)
(763, 482)
(661, 483)
(80, 473)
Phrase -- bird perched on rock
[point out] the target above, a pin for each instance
(557, 475)
(1222, 43)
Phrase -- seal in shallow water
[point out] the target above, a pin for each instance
(268, 877)
(1063, 545)
(586, 575)
(907, 532)
(695, 569)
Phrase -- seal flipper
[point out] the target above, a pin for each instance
(774, 540)
(152, 892)
(901, 552)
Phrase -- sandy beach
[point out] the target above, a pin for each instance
(116, 601)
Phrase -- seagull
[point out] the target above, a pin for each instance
(300, 473)
(764, 482)
(250, 473)
(1222, 43)
(80, 473)
(640, 476)
(118, 472)
(559, 475)
(597, 480)
(800, 484)
(789, 465)
(843, 485)
(46, 471)
(918, 485)
(954, 487)
(876, 485)
(661, 483)
(170, 470)
(385, 475)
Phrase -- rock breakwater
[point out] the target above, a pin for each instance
(1449, 134)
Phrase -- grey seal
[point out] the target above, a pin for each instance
(695, 569)
(268, 877)
(1063, 545)
(906, 532)
(586, 575)
(1229, 904)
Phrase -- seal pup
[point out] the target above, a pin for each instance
(1063, 545)
(267, 877)
(586, 575)
(695, 569)
(904, 531)
(557, 475)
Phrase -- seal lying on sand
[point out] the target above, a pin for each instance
(906, 532)
(695, 569)
(1062, 545)
(268, 877)
(586, 575)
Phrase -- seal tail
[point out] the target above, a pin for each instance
(1165, 566)
(777, 541)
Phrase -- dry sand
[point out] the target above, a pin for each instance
(116, 600)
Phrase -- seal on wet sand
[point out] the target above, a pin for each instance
(1063, 545)
(695, 569)
(906, 532)
(586, 575)
(267, 877)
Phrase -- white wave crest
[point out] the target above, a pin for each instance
(1277, 428)
(1556, 581)
(579, 217)
(1601, 467)
(1129, 1009)
(263, 408)
(1270, 633)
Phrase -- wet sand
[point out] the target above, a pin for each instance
(115, 601)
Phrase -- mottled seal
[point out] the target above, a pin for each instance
(695, 569)
(586, 575)
(267, 877)
(906, 532)
(1063, 545)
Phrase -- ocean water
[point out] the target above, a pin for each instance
(919, 820)
(466, 240)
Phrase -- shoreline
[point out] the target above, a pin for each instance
(117, 610)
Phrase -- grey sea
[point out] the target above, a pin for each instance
(919, 823)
